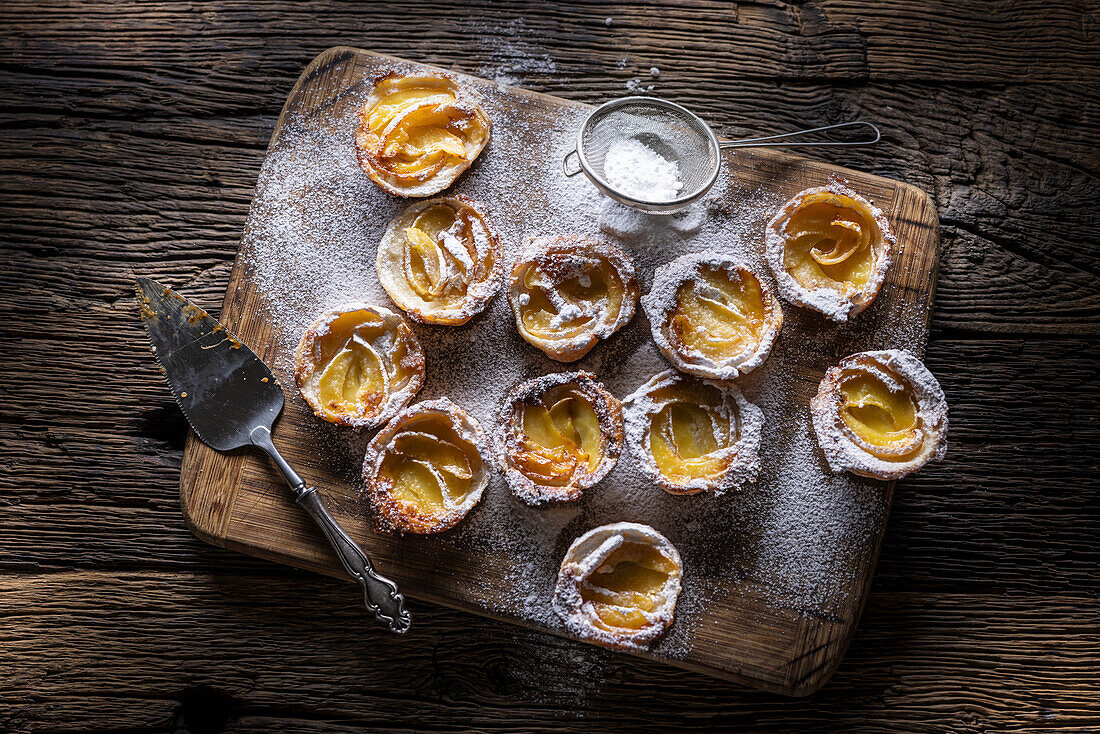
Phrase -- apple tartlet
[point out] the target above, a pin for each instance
(712, 316)
(426, 469)
(568, 293)
(358, 365)
(417, 133)
(439, 260)
(618, 586)
(880, 414)
(829, 249)
(691, 435)
(559, 434)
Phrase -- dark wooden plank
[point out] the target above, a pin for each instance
(132, 136)
(837, 40)
(971, 663)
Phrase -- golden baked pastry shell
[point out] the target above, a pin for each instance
(900, 378)
(525, 461)
(569, 260)
(482, 278)
(453, 428)
(662, 304)
(590, 609)
(844, 301)
(405, 361)
(433, 177)
(732, 462)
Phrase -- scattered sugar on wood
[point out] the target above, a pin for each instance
(788, 539)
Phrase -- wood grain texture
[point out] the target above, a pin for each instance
(239, 502)
(132, 135)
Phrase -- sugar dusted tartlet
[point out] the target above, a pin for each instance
(559, 434)
(712, 316)
(618, 586)
(829, 249)
(417, 133)
(880, 414)
(426, 469)
(357, 365)
(439, 260)
(692, 435)
(568, 293)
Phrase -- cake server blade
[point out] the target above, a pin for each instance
(222, 387)
(231, 398)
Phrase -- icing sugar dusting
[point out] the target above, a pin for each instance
(635, 169)
(311, 243)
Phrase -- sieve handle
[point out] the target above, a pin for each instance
(565, 164)
(768, 142)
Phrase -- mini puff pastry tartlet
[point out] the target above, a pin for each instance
(567, 293)
(829, 249)
(358, 365)
(880, 414)
(417, 133)
(439, 260)
(559, 434)
(426, 469)
(618, 586)
(712, 316)
(692, 435)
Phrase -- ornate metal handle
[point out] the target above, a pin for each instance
(381, 594)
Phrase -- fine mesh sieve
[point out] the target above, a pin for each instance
(676, 134)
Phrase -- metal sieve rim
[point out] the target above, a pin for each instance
(642, 204)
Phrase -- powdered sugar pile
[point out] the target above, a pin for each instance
(310, 245)
(635, 169)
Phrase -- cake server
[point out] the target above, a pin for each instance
(231, 398)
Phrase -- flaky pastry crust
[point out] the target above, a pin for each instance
(618, 586)
(558, 435)
(358, 364)
(568, 292)
(692, 435)
(417, 133)
(829, 249)
(712, 316)
(426, 469)
(880, 414)
(439, 260)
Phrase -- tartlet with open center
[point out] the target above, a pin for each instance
(692, 435)
(618, 585)
(712, 316)
(829, 249)
(357, 365)
(439, 260)
(426, 469)
(880, 414)
(568, 293)
(417, 133)
(559, 434)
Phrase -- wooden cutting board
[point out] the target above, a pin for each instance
(739, 631)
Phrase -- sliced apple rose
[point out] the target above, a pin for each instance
(880, 414)
(559, 434)
(418, 133)
(426, 469)
(618, 586)
(358, 365)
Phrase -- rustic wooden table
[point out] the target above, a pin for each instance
(132, 134)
